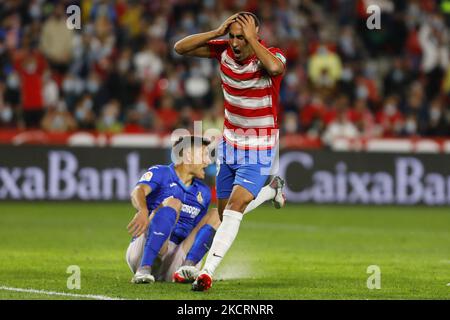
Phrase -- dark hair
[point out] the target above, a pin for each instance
(185, 142)
(191, 140)
(257, 23)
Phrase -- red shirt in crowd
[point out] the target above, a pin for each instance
(31, 67)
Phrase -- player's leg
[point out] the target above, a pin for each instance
(273, 191)
(205, 230)
(199, 240)
(196, 245)
(134, 252)
(221, 204)
(135, 249)
(225, 235)
(225, 176)
(268, 163)
(249, 180)
(159, 232)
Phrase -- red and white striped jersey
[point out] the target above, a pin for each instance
(250, 98)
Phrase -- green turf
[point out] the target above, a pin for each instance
(300, 252)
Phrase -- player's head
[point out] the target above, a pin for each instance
(238, 44)
(192, 152)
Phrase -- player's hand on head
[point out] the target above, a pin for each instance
(138, 224)
(225, 26)
(248, 26)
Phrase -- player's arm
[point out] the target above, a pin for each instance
(140, 222)
(271, 63)
(196, 45)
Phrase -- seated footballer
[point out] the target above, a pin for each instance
(173, 228)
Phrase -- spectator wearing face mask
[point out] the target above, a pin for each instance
(290, 123)
(410, 127)
(7, 117)
(57, 40)
(84, 114)
(390, 118)
(438, 124)
(434, 39)
(109, 121)
(341, 127)
(58, 119)
(362, 117)
(30, 65)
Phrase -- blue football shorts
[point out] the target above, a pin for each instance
(247, 168)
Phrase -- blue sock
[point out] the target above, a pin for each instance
(158, 232)
(202, 243)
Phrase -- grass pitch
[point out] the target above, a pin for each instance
(300, 252)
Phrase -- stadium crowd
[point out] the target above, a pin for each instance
(119, 72)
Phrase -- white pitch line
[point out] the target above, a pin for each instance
(54, 293)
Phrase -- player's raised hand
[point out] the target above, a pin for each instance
(224, 27)
(248, 26)
(138, 224)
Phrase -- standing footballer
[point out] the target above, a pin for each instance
(251, 74)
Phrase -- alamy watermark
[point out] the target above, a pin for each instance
(74, 280)
(239, 146)
(374, 20)
(374, 280)
(73, 20)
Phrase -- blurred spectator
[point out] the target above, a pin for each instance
(109, 120)
(132, 122)
(311, 116)
(363, 119)
(50, 90)
(325, 68)
(7, 116)
(366, 86)
(390, 118)
(410, 128)
(57, 40)
(30, 65)
(434, 42)
(438, 124)
(341, 127)
(141, 118)
(58, 119)
(84, 114)
(289, 123)
(187, 116)
(167, 114)
(147, 63)
(397, 79)
(118, 70)
(213, 118)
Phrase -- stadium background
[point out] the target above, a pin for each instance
(364, 118)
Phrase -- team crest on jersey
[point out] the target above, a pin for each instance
(147, 176)
(200, 197)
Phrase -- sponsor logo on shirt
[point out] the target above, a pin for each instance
(190, 210)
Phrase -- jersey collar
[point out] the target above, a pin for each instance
(178, 180)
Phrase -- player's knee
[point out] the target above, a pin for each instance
(213, 218)
(237, 204)
(174, 203)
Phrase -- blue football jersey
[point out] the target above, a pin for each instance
(195, 199)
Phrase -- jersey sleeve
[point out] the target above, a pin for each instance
(154, 177)
(279, 54)
(216, 47)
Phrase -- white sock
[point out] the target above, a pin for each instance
(266, 193)
(223, 239)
